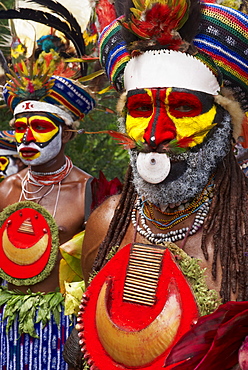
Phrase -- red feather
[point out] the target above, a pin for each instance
(214, 341)
(102, 188)
(105, 13)
(123, 139)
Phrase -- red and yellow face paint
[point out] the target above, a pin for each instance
(163, 114)
(37, 137)
(39, 129)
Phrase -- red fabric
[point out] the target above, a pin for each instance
(133, 316)
(244, 135)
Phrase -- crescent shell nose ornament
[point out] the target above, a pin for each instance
(153, 167)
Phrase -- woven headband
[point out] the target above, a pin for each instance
(222, 37)
(62, 92)
(7, 143)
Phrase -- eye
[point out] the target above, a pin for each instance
(184, 108)
(40, 125)
(20, 127)
(39, 128)
(184, 105)
(139, 105)
(144, 108)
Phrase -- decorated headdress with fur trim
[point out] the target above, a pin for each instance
(151, 25)
(48, 83)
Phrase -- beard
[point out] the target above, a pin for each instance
(190, 171)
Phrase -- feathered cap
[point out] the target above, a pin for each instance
(48, 83)
(172, 26)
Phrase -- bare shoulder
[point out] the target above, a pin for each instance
(78, 175)
(10, 189)
(96, 230)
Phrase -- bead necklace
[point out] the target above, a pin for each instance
(171, 236)
(41, 180)
(49, 178)
(180, 214)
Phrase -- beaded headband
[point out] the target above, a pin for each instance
(171, 66)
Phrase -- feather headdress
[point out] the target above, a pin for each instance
(152, 24)
(41, 83)
(46, 17)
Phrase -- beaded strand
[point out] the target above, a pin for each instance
(173, 235)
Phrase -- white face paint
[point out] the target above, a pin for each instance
(34, 155)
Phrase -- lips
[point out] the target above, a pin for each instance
(28, 152)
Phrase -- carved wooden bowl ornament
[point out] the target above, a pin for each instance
(135, 310)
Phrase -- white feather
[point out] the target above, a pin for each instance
(30, 31)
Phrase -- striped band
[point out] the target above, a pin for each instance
(113, 53)
(7, 143)
(62, 92)
(223, 36)
(22, 352)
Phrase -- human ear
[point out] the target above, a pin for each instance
(66, 134)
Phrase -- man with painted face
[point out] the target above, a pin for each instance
(172, 246)
(44, 206)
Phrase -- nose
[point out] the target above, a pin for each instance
(160, 128)
(28, 136)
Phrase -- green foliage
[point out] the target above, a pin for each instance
(95, 152)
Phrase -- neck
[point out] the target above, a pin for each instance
(52, 165)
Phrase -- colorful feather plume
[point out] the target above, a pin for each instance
(64, 21)
(105, 12)
(158, 22)
(32, 80)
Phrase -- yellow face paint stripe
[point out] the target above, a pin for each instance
(197, 127)
(135, 127)
(40, 136)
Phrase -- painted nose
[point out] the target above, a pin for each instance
(28, 136)
(160, 128)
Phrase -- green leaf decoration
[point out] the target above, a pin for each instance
(25, 306)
